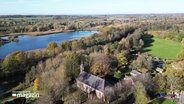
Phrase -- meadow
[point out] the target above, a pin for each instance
(160, 47)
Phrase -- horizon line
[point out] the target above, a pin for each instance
(87, 14)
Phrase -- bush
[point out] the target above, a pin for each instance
(51, 45)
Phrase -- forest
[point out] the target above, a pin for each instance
(119, 49)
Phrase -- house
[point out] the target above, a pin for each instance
(92, 84)
(179, 65)
(160, 70)
(135, 73)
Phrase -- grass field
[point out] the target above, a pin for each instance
(162, 48)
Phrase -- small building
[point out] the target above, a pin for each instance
(92, 84)
(178, 65)
(160, 70)
(134, 73)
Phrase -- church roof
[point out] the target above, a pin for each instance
(93, 81)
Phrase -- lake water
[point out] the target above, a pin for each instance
(27, 43)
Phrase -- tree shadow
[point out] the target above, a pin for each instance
(60, 102)
(148, 40)
(1, 44)
(145, 50)
(111, 79)
(20, 100)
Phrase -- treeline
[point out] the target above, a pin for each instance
(166, 30)
(24, 24)
(52, 23)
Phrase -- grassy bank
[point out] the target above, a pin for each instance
(162, 48)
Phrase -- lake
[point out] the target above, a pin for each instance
(27, 42)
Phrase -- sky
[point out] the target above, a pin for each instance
(73, 7)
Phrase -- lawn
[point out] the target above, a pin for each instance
(118, 75)
(162, 101)
(162, 48)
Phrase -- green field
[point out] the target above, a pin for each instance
(162, 101)
(162, 48)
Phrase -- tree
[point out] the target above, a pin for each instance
(175, 78)
(45, 99)
(140, 93)
(101, 65)
(71, 66)
(141, 62)
(134, 41)
(17, 61)
(51, 45)
(180, 55)
(159, 83)
(122, 60)
(36, 84)
(54, 84)
(173, 81)
(182, 42)
(66, 45)
(146, 80)
(106, 49)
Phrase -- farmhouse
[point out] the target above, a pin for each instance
(92, 84)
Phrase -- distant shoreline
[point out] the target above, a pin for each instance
(43, 33)
(35, 33)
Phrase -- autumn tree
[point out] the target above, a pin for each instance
(36, 84)
(106, 49)
(51, 45)
(122, 60)
(66, 45)
(101, 65)
(14, 62)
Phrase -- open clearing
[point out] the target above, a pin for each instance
(162, 48)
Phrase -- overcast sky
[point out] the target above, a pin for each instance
(61, 7)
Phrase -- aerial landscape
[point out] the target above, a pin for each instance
(91, 52)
